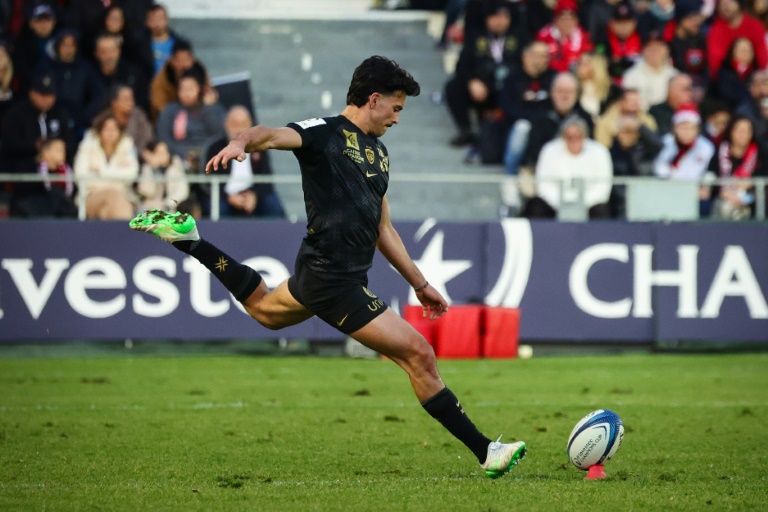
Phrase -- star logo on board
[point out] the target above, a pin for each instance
(439, 270)
(221, 266)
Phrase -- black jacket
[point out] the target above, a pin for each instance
(523, 96)
(132, 76)
(476, 60)
(22, 136)
(78, 90)
(28, 54)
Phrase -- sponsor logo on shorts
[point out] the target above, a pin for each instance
(341, 322)
(376, 305)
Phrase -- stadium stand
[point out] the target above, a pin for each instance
(287, 60)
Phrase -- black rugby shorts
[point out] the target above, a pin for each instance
(340, 300)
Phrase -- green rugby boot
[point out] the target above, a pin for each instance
(171, 227)
(503, 457)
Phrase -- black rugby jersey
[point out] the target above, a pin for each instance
(344, 174)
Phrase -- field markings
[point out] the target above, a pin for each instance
(371, 405)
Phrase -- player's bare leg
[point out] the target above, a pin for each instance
(390, 335)
(393, 337)
(275, 309)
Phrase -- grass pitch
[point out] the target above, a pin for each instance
(244, 433)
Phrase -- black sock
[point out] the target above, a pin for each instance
(239, 279)
(447, 409)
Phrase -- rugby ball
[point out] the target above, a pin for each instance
(595, 438)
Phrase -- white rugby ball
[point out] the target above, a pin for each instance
(595, 438)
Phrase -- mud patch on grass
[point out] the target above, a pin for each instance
(94, 380)
(235, 481)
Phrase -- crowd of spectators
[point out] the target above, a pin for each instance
(107, 103)
(583, 90)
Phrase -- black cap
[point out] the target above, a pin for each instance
(685, 8)
(623, 11)
(43, 11)
(43, 83)
(655, 36)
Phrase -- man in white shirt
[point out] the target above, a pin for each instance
(651, 74)
(567, 165)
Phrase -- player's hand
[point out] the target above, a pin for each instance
(434, 304)
(234, 150)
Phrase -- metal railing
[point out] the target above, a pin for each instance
(215, 181)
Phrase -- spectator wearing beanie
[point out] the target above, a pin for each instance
(686, 153)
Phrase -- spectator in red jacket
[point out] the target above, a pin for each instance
(565, 38)
(731, 23)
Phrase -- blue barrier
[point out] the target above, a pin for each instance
(602, 281)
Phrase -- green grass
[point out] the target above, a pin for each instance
(244, 433)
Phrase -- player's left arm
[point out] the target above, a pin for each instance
(391, 246)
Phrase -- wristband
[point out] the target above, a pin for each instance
(418, 289)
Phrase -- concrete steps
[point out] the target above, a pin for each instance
(297, 64)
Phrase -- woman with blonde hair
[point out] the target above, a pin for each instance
(597, 91)
(107, 153)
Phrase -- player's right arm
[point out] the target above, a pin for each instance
(257, 138)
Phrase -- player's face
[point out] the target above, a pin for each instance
(386, 112)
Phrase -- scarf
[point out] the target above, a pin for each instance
(682, 149)
(624, 48)
(742, 70)
(63, 169)
(748, 163)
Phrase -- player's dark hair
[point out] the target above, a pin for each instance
(382, 75)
